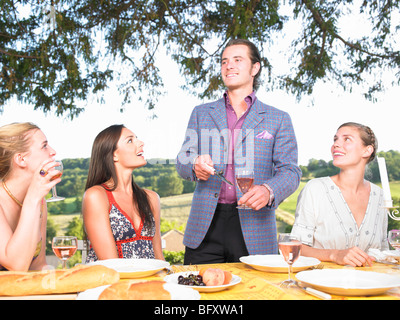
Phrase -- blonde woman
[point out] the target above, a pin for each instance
(340, 218)
(26, 172)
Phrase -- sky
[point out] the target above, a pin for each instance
(314, 123)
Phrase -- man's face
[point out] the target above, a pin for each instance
(237, 70)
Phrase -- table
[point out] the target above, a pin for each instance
(261, 285)
(256, 285)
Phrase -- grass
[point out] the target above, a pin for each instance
(394, 188)
(176, 208)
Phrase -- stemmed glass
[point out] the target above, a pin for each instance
(55, 197)
(394, 240)
(244, 179)
(64, 248)
(289, 248)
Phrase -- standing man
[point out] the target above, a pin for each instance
(237, 130)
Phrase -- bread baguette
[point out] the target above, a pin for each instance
(76, 279)
(130, 290)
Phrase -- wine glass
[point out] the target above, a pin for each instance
(289, 248)
(244, 179)
(55, 197)
(64, 248)
(394, 239)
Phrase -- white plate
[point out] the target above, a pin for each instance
(133, 268)
(276, 263)
(177, 293)
(349, 282)
(173, 278)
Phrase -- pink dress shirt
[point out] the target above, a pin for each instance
(228, 192)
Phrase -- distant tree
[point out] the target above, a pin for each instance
(51, 232)
(55, 53)
(392, 159)
(75, 228)
(169, 185)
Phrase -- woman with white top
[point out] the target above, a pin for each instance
(340, 218)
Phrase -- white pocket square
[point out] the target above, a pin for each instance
(265, 135)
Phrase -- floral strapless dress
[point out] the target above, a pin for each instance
(131, 243)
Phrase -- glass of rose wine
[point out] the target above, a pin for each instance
(244, 179)
(55, 197)
(394, 240)
(289, 247)
(64, 248)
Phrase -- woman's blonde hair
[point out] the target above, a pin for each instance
(13, 139)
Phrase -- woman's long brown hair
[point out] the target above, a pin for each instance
(102, 169)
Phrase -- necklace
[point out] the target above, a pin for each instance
(11, 195)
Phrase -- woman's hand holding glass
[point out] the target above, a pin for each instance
(43, 180)
(59, 171)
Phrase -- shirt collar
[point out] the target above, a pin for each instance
(250, 99)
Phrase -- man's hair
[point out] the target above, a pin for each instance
(254, 57)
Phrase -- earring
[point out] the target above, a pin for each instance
(21, 158)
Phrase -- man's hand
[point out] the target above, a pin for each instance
(202, 166)
(256, 198)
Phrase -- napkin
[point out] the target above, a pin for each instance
(386, 255)
(265, 135)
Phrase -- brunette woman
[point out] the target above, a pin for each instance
(121, 219)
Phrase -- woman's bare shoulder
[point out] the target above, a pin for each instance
(152, 194)
(95, 194)
(154, 200)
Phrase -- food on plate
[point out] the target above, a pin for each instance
(191, 280)
(228, 277)
(77, 279)
(207, 276)
(214, 277)
(131, 290)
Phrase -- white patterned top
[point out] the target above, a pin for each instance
(324, 220)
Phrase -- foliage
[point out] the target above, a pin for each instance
(166, 225)
(326, 52)
(174, 257)
(51, 232)
(56, 54)
(320, 168)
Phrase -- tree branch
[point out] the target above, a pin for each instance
(322, 25)
(188, 35)
(17, 55)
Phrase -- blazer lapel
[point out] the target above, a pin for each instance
(218, 114)
(253, 119)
